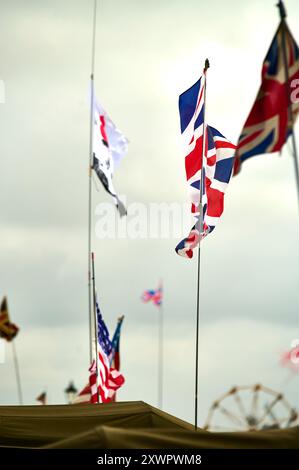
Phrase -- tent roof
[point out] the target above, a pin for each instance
(121, 425)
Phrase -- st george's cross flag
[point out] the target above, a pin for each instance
(214, 169)
(267, 127)
(109, 148)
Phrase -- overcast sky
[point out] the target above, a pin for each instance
(147, 52)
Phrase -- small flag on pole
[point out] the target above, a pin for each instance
(115, 351)
(109, 148)
(8, 330)
(290, 359)
(267, 126)
(42, 398)
(153, 295)
(215, 171)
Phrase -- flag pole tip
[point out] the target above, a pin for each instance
(207, 64)
(282, 10)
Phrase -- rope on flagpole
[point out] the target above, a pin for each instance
(90, 309)
(17, 370)
(283, 15)
(200, 231)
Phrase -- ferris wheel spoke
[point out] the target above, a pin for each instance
(240, 404)
(255, 402)
(269, 409)
(234, 418)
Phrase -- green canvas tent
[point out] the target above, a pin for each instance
(124, 425)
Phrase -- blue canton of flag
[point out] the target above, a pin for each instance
(103, 333)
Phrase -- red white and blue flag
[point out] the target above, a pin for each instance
(290, 359)
(215, 171)
(115, 343)
(104, 377)
(267, 126)
(153, 295)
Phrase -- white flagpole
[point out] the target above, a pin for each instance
(95, 324)
(283, 15)
(17, 370)
(200, 230)
(160, 354)
(90, 304)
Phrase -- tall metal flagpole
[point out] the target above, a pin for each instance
(17, 369)
(90, 305)
(95, 321)
(200, 230)
(160, 354)
(283, 14)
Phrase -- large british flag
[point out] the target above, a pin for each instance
(215, 171)
(267, 127)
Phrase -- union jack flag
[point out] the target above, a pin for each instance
(153, 295)
(267, 127)
(215, 170)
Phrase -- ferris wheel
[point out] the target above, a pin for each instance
(250, 408)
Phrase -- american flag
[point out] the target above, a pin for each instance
(267, 128)
(215, 170)
(104, 378)
(153, 295)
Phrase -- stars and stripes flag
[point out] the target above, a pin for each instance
(102, 374)
(153, 295)
(109, 148)
(267, 127)
(8, 330)
(215, 170)
(109, 379)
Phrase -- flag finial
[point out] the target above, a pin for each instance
(207, 64)
(282, 10)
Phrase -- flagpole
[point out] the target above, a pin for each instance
(95, 321)
(17, 370)
(160, 356)
(90, 309)
(283, 15)
(200, 231)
